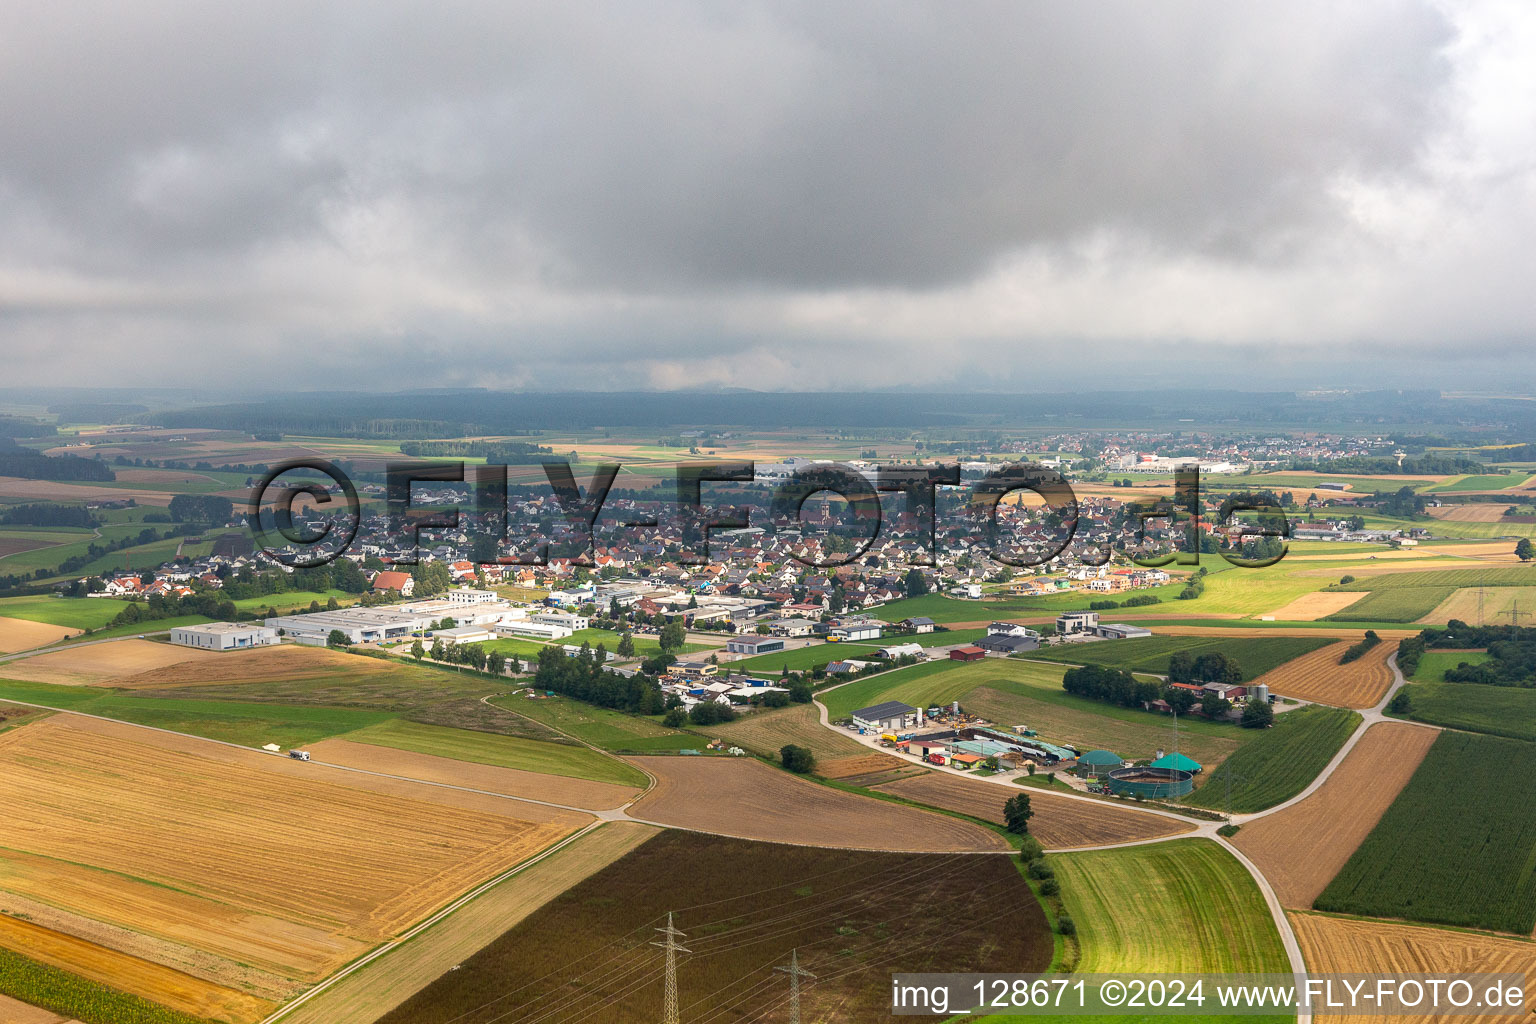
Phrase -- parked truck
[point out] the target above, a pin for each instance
(299, 755)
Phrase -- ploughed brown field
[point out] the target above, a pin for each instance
(1348, 946)
(1059, 822)
(1301, 848)
(851, 918)
(747, 799)
(860, 764)
(1318, 676)
(182, 877)
(24, 634)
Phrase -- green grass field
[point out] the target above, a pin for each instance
(1183, 905)
(1400, 604)
(72, 612)
(1256, 655)
(1508, 711)
(1279, 762)
(248, 724)
(291, 600)
(1433, 663)
(1493, 576)
(602, 727)
(933, 682)
(1456, 847)
(503, 751)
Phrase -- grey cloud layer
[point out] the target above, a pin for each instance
(531, 184)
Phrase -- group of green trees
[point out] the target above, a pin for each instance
(584, 677)
(1357, 650)
(1122, 689)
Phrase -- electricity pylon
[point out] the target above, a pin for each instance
(669, 1010)
(795, 974)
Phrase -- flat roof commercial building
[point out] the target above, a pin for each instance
(223, 636)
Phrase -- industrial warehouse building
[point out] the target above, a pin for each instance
(1120, 631)
(887, 717)
(751, 645)
(1007, 643)
(223, 636)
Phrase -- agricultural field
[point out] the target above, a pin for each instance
(1478, 606)
(1476, 707)
(1344, 946)
(74, 612)
(147, 854)
(853, 918)
(1279, 762)
(245, 724)
(1472, 868)
(1311, 607)
(745, 798)
(1319, 676)
(764, 732)
(24, 634)
(488, 748)
(601, 727)
(124, 663)
(1301, 848)
(1136, 909)
(1257, 655)
(1393, 604)
(1059, 822)
(1493, 576)
(312, 677)
(366, 995)
(1484, 482)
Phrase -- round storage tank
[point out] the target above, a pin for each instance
(1151, 783)
(1261, 693)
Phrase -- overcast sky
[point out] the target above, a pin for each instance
(780, 196)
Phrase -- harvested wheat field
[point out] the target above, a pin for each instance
(1301, 848)
(223, 870)
(1348, 946)
(287, 663)
(152, 981)
(748, 800)
(13, 1011)
(24, 634)
(1311, 607)
(557, 789)
(1493, 605)
(1478, 512)
(365, 996)
(1059, 823)
(111, 664)
(1318, 676)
